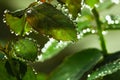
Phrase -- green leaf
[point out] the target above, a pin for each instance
(51, 48)
(85, 21)
(106, 4)
(16, 23)
(2, 55)
(47, 20)
(107, 69)
(26, 49)
(41, 76)
(30, 74)
(16, 68)
(91, 3)
(73, 6)
(76, 65)
(3, 73)
(113, 76)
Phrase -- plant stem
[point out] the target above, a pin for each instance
(99, 28)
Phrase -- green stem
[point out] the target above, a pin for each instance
(99, 28)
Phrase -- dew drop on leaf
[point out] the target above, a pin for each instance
(49, 21)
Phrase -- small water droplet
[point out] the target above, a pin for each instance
(78, 37)
(38, 45)
(109, 19)
(39, 49)
(66, 10)
(16, 34)
(104, 32)
(29, 11)
(6, 11)
(93, 31)
(81, 34)
(31, 31)
(4, 20)
(40, 57)
(88, 75)
(58, 6)
(27, 33)
(70, 16)
(116, 21)
(12, 32)
(88, 30)
(84, 31)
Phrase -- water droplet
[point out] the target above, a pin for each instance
(46, 46)
(116, 21)
(29, 11)
(93, 31)
(78, 37)
(109, 19)
(88, 75)
(31, 31)
(101, 1)
(38, 45)
(116, 1)
(6, 11)
(27, 33)
(104, 32)
(88, 29)
(39, 49)
(16, 34)
(84, 31)
(43, 50)
(4, 20)
(40, 57)
(12, 32)
(58, 6)
(34, 40)
(66, 10)
(70, 16)
(35, 31)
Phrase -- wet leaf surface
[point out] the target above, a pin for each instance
(26, 49)
(47, 20)
(73, 6)
(76, 65)
(91, 3)
(107, 69)
(16, 22)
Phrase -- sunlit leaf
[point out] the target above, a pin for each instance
(16, 23)
(91, 3)
(51, 48)
(47, 20)
(26, 49)
(105, 70)
(74, 6)
(76, 65)
(3, 73)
